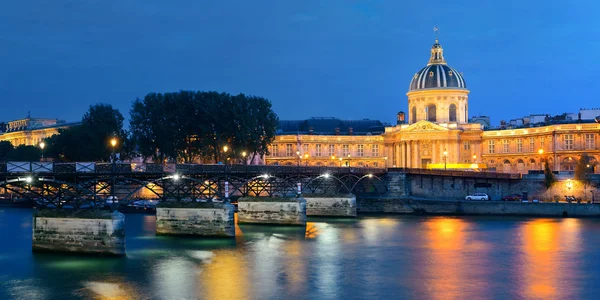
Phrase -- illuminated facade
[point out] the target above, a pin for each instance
(31, 131)
(437, 135)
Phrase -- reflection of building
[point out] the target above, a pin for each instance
(31, 131)
(439, 135)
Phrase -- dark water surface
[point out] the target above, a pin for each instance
(399, 257)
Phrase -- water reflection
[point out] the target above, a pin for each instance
(544, 268)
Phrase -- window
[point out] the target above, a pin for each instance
(492, 147)
(275, 150)
(505, 146)
(542, 142)
(375, 150)
(318, 150)
(304, 148)
(289, 151)
(413, 115)
(568, 138)
(590, 141)
(345, 150)
(467, 145)
(531, 144)
(431, 113)
(519, 145)
(331, 150)
(452, 114)
(360, 150)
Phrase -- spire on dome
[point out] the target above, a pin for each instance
(437, 53)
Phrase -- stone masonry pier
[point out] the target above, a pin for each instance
(84, 232)
(275, 210)
(331, 205)
(208, 219)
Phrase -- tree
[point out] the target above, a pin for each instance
(25, 153)
(549, 177)
(5, 148)
(583, 172)
(187, 126)
(90, 140)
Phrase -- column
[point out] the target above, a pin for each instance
(434, 152)
(408, 154)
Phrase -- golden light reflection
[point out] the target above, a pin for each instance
(540, 250)
(312, 230)
(445, 247)
(110, 290)
(226, 277)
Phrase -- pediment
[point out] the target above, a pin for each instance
(425, 126)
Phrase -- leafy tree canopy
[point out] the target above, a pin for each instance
(188, 126)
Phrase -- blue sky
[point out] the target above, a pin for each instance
(341, 58)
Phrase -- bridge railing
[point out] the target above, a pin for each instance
(15, 167)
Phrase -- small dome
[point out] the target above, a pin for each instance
(437, 74)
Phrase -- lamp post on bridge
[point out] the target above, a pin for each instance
(306, 159)
(226, 183)
(349, 160)
(113, 144)
(42, 146)
(299, 157)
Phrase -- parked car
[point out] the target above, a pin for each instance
(512, 197)
(478, 196)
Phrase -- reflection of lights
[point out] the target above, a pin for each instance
(569, 184)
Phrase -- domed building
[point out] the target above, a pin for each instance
(437, 135)
(438, 93)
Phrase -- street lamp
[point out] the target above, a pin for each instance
(340, 162)
(299, 157)
(541, 151)
(113, 143)
(244, 157)
(306, 158)
(42, 146)
(225, 148)
(445, 158)
(385, 162)
(474, 158)
(348, 160)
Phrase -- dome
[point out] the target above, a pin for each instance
(437, 74)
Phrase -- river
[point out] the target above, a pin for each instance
(372, 257)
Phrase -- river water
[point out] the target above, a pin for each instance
(399, 257)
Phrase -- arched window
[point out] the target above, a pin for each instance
(506, 166)
(532, 165)
(520, 166)
(452, 113)
(413, 115)
(431, 113)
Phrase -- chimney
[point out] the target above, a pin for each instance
(349, 130)
(400, 118)
(337, 131)
(310, 130)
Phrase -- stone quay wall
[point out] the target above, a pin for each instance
(86, 232)
(437, 207)
(201, 219)
(456, 188)
(276, 210)
(331, 206)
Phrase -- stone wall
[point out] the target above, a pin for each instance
(92, 232)
(411, 206)
(201, 219)
(331, 206)
(456, 188)
(276, 210)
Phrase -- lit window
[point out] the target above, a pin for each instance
(288, 150)
(519, 145)
(375, 150)
(505, 146)
(431, 74)
(275, 150)
(331, 150)
(467, 145)
(492, 146)
(345, 150)
(590, 141)
(318, 150)
(360, 150)
(531, 144)
(568, 138)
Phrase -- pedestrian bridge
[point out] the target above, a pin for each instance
(80, 184)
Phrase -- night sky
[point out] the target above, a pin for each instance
(323, 58)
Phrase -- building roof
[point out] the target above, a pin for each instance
(328, 126)
(437, 74)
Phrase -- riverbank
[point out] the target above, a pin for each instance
(407, 205)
